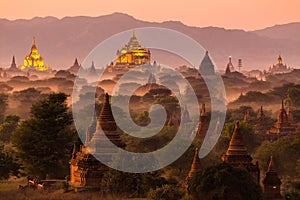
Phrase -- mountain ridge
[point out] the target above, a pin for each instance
(61, 40)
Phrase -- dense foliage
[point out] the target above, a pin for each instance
(44, 141)
(224, 182)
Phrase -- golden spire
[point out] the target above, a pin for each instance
(33, 41)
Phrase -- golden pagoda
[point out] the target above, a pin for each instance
(133, 53)
(130, 55)
(34, 60)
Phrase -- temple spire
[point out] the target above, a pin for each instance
(272, 182)
(203, 110)
(13, 61)
(33, 41)
(196, 166)
(271, 167)
(237, 145)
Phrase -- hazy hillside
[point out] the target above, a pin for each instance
(61, 40)
(289, 31)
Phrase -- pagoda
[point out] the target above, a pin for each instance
(13, 66)
(207, 68)
(85, 169)
(196, 166)
(283, 124)
(130, 55)
(260, 119)
(75, 67)
(229, 67)
(279, 67)
(272, 183)
(237, 154)
(34, 61)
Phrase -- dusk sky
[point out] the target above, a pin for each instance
(234, 14)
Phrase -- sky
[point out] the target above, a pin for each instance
(230, 14)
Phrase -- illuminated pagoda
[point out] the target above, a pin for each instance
(85, 169)
(272, 183)
(34, 61)
(279, 67)
(131, 55)
(237, 154)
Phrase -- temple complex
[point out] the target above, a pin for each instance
(283, 124)
(203, 123)
(129, 56)
(279, 67)
(272, 183)
(34, 61)
(237, 155)
(85, 169)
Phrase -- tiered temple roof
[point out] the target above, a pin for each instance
(237, 154)
(85, 169)
(34, 61)
(196, 166)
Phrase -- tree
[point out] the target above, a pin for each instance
(130, 185)
(166, 192)
(294, 96)
(44, 141)
(279, 149)
(3, 105)
(8, 165)
(8, 127)
(223, 181)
